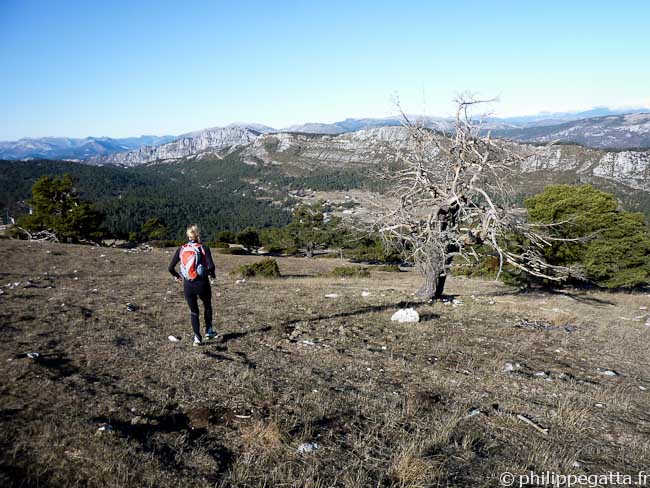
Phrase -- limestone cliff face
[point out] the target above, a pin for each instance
(364, 147)
(196, 143)
(371, 147)
(631, 168)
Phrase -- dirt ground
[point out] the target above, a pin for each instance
(306, 390)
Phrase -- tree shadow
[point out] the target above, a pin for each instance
(581, 298)
(57, 364)
(237, 335)
(150, 434)
(360, 311)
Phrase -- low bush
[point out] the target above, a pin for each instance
(166, 243)
(219, 245)
(350, 272)
(390, 268)
(275, 250)
(237, 251)
(266, 268)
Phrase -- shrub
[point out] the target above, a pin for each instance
(266, 268)
(237, 251)
(219, 245)
(275, 250)
(167, 243)
(372, 251)
(249, 238)
(390, 268)
(616, 251)
(292, 251)
(58, 209)
(225, 236)
(350, 272)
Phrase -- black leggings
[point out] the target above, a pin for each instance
(193, 291)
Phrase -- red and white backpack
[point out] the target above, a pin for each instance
(191, 256)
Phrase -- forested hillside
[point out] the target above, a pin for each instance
(175, 194)
(221, 193)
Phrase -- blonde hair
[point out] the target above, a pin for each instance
(193, 232)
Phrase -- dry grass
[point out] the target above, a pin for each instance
(387, 404)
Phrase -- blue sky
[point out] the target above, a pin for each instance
(124, 68)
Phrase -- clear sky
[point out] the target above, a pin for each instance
(125, 68)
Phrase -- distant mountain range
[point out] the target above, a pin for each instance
(609, 132)
(598, 128)
(70, 148)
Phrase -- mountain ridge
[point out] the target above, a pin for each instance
(522, 128)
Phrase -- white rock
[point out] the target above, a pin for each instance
(331, 295)
(173, 338)
(609, 373)
(509, 367)
(308, 447)
(406, 315)
(365, 293)
(33, 355)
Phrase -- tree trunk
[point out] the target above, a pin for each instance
(431, 272)
(435, 276)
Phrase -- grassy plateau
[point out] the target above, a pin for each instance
(303, 389)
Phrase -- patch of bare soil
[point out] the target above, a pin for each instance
(301, 389)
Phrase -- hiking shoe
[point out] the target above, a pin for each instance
(197, 341)
(210, 333)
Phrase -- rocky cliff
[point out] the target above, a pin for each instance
(212, 140)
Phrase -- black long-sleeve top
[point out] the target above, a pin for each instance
(209, 264)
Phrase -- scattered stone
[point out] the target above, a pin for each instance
(331, 295)
(308, 447)
(33, 355)
(138, 420)
(541, 373)
(406, 315)
(576, 464)
(509, 367)
(105, 428)
(131, 307)
(642, 388)
(609, 372)
(173, 338)
(472, 412)
(534, 325)
(600, 405)
(308, 342)
(365, 293)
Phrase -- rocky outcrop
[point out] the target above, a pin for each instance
(375, 146)
(370, 146)
(208, 140)
(631, 168)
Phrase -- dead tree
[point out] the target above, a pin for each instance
(452, 194)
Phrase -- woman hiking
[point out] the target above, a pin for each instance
(196, 269)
